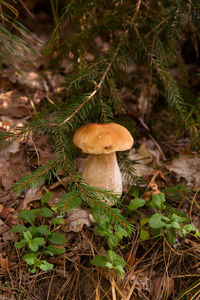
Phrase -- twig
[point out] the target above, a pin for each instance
(34, 146)
(64, 285)
(26, 8)
(132, 289)
(178, 253)
(112, 281)
(193, 201)
(49, 289)
(60, 181)
(79, 108)
(151, 137)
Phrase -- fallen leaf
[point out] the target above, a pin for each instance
(31, 80)
(4, 263)
(77, 219)
(6, 175)
(56, 195)
(3, 227)
(152, 186)
(146, 98)
(14, 147)
(14, 104)
(186, 167)
(145, 154)
(32, 194)
(5, 212)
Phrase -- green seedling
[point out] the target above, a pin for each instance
(113, 233)
(38, 240)
(165, 219)
(113, 261)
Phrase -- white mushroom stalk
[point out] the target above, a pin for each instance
(102, 170)
(102, 141)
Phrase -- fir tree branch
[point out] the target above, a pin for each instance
(94, 195)
(127, 167)
(169, 85)
(115, 95)
(38, 177)
(79, 108)
(98, 87)
(7, 138)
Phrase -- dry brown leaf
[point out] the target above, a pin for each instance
(4, 263)
(186, 167)
(152, 187)
(145, 154)
(77, 219)
(130, 260)
(14, 104)
(147, 96)
(162, 287)
(56, 195)
(12, 167)
(140, 163)
(5, 212)
(3, 227)
(6, 175)
(32, 194)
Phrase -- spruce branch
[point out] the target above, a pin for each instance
(70, 200)
(94, 196)
(90, 73)
(38, 177)
(79, 108)
(104, 110)
(169, 85)
(127, 167)
(15, 47)
(97, 88)
(115, 97)
(7, 138)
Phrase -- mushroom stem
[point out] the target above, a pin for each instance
(102, 170)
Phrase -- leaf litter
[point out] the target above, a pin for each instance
(145, 277)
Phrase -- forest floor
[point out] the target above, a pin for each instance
(163, 159)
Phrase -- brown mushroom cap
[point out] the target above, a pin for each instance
(102, 138)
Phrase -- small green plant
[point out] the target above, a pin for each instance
(113, 233)
(110, 230)
(37, 239)
(113, 261)
(111, 224)
(165, 219)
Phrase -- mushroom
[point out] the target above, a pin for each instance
(102, 141)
